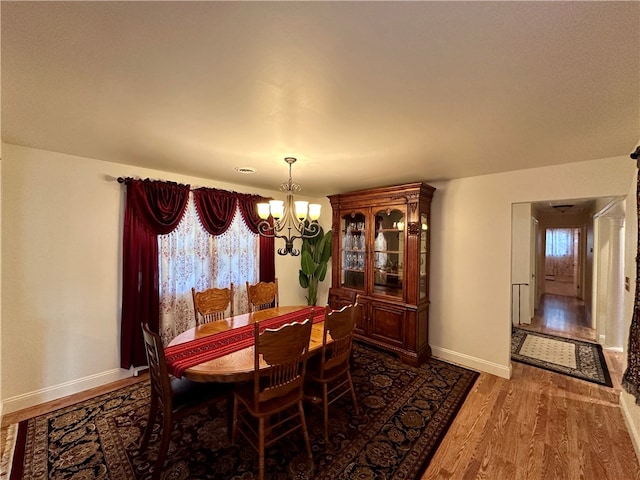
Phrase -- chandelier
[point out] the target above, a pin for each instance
(291, 219)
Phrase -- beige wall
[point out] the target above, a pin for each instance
(61, 253)
(61, 236)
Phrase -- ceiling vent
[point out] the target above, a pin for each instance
(247, 170)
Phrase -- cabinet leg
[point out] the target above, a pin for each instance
(415, 360)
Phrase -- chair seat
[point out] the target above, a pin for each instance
(188, 394)
(313, 387)
(313, 372)
(244, 392)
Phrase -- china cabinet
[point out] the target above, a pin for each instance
(381, 252)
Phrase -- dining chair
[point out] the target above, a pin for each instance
(212, 304)
(173, 398)
(262, 295)
(270, 407)
(328, 376)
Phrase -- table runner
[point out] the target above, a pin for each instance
(188, 354)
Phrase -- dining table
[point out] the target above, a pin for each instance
(230, 341)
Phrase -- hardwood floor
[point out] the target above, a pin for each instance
(540, 425)
(537, 425)
(47, 407)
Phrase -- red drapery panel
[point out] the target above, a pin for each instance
(247, 205)
(215, 209)
(153, 208)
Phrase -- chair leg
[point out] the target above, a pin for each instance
(234, 421)
(305, 432)
(230, 398)
(153, 413)
(164, 447)
(353, 394)
(261, 448)
(325, 410)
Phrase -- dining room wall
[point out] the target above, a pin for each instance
(61, 268)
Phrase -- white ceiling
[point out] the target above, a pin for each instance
(362, 93)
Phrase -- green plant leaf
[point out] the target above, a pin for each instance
(321, 271)
(307, 264)
(303, 279)
(306, 246)
(326, 248)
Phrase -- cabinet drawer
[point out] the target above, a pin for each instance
(387, 323)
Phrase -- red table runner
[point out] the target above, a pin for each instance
(188, 354)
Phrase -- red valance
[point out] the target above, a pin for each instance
(215, 209)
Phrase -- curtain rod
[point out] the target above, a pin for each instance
(125, 180)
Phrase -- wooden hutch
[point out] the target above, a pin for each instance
(381, 252)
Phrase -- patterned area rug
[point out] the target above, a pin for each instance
(575, 358)
(405, 413)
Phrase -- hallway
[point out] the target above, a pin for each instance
(565, 316)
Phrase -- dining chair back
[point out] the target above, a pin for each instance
(212, 304)
(328, 377)
(262, 295)
(340, 297)
(271, 406)
(172, 398)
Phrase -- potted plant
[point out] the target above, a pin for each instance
(314, 257)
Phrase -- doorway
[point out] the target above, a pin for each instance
(581, 259)
(561, 260)
(561, 309)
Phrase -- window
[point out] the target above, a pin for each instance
(191, 257)
(560, 252)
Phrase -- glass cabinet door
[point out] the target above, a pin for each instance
(424, 254)
(353, 248)
(388, 252)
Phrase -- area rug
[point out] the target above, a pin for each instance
(404, 414)
(576, 358)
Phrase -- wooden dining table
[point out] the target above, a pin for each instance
(237, 366)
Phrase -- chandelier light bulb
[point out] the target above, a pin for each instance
(301, 210)
(263, 211)
(277, 209)
(314, 211)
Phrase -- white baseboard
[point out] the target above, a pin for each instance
(472, 362)
(55, 392)
(614, 349)
(627, 402)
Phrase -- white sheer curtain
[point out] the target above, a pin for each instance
(561, 248)
(190, 257)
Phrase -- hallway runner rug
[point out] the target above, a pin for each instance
(575, 358)
(404, 414)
